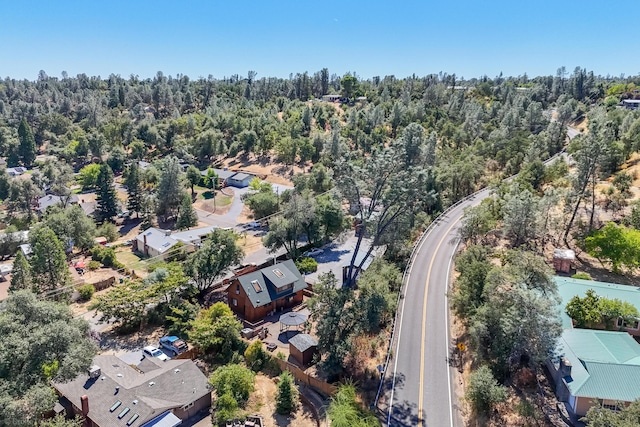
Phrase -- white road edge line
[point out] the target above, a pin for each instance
(395, 363)
(446, 323)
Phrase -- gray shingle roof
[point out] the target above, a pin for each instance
(172, 384)
(240, 176)
(303, 342)
(52, 199)
(158, 240)
(268, 282)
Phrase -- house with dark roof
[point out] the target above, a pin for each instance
(593, 366)
(255, 295)
(52, 200)
(631, 104)
(154, 393)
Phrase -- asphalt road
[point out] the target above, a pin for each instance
(423, 379)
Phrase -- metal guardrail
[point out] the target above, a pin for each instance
(417, 243)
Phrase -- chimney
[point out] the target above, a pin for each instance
(84, 400)
(565, 368)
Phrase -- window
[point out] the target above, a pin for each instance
(234, 302)
(620, 323)
(187, 406)
(237, 288)
(256, 286)
(609, 406)
(286, 288)
(278, 273)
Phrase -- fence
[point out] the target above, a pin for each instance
(104, 284)
(192, 354)
(300, 375)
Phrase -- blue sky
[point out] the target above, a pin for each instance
(276, 38)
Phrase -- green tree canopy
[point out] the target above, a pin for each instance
(42, 342)
(49, 269)
(616, 244)
(71, 224)
(235, 380)
(216, 331)
(27, 145)
(187, 216)
(106, 197)
(218, 253)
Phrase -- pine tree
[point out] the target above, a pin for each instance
(148, 206)
(48, 262)
(287, 396)
(27, 145)
(21, 274)
(107, 200)
(187, 217)
(133, 184)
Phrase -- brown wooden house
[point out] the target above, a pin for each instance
(255, 295)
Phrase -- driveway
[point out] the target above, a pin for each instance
(337, 254)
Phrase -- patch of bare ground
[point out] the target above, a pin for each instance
(265, 166)
(263, 402)
(111, 341)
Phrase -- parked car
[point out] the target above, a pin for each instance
(173, 345)
(253, 224)
(313, 252)
(151, 351)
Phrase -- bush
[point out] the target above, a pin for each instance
(235, 380)
(582, 276)
(226, 409)
(107, 256)
(109, 231)
(307, 265)
(93, 265)
(86, 291)
(287, 395)
(484, 392)
(255, 357)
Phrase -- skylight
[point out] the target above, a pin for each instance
(115, 406)
(278, 273)
(133, 418)
(124, 412)
(256, 286)
(166, 244)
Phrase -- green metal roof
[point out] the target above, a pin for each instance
(604, 364)
(568, 288)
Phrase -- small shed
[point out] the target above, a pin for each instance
(563, 260)
(240, 180)
(302, 348)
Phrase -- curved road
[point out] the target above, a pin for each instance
(422, 390)
(421, 393)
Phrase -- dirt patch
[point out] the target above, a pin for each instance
(250, 243)
(274, 172)
(263, 402)
(111, 342)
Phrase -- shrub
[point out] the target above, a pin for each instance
(107, 256)
(86, 291)
(255, 356)
(484, 392)
(109, 231)
(235, 380)
(307, 265)
(93, 265)
(582, 275)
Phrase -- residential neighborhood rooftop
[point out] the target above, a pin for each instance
(604, 364)
(262, 286)
(568, 288)
(148, 390)
(303, 342)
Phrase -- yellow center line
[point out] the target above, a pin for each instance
(424, 322)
